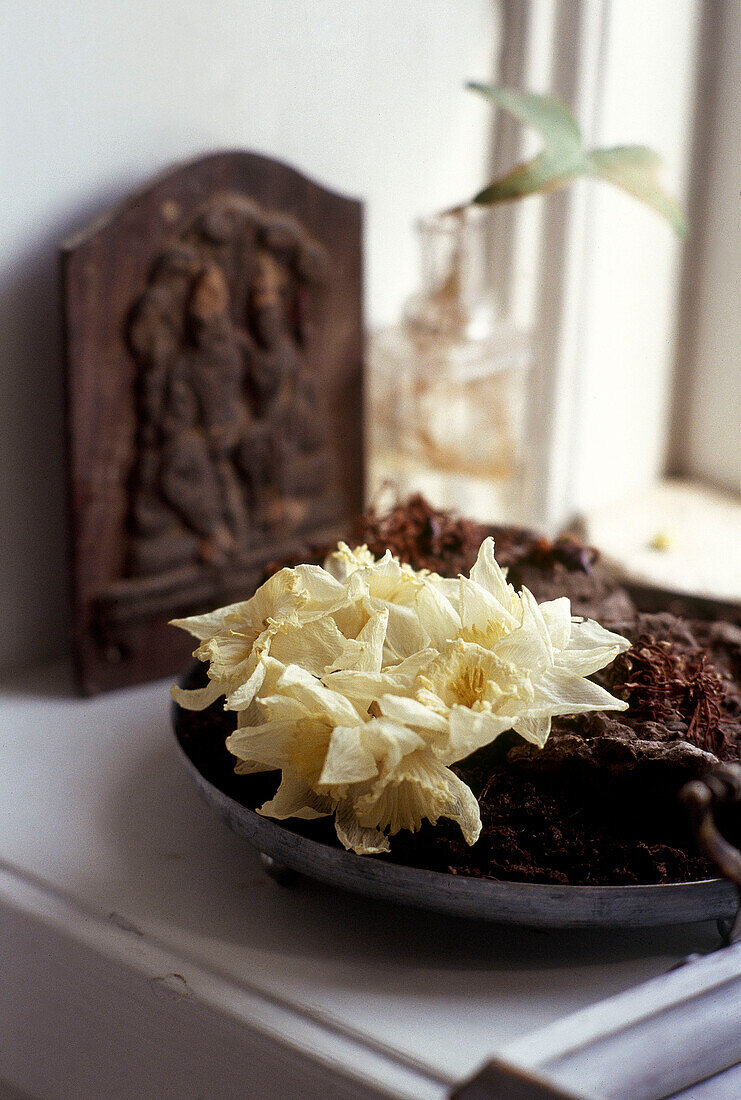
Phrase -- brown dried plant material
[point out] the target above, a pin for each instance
(430, 538)
(660, 683)
(422, 536)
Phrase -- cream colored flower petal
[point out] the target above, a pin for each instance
(463, 808)
(242, 696)
(250, 767)
(437, 615)
(345, 561)
(197, 698)
(362, 841)
(535, 729)
(372, 638)
(295, 798)
(316, 646)
(586, 633)
(363, 688)
(531, 613)
(470, 730)
(449, 587)
(227, 654)
(352, 616)
(348, 759)
(280, 596)
(279, 708)
(365, 654)
(389, 742)
(322, 591)
(397, 679)
(590, 648)
(432, 700)
(559, 692)
(410, 712)
(405, 634)
(421, 788)
(529, 646)
(482, 615)
(405, 673)
(269, 744)
(487, 573)
(253, 715)
(301, 685)
(389, 580)
(585, 662)
(557, 617)
(205, 626)
(272, 672)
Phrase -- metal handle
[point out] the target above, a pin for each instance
(721, 786)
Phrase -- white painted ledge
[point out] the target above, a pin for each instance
(142, 947)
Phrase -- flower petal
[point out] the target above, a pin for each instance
(535, 728)
(469, 730)
(561, 692)
(557, 617)
(317, 699)
(487, 572)
(530, 645)
(205, 626)
(197, 698)
(410, 712)
(420, 788)
(268, 744)
(482, 615)
(295, 798)
(405, 634)
(316, 646)
(356, 838)
(348, 759)
(437, 616)
(590, 648)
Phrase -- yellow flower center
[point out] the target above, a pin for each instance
(469, 685)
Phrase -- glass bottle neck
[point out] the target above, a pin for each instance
(457, 295)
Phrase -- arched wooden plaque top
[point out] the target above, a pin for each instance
(213, 341)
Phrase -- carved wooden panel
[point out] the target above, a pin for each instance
(214, 368)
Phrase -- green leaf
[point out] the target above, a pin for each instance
(641, 156)
(634, 168)
(546, 172)
(555, 122)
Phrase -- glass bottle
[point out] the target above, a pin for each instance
(447, 385)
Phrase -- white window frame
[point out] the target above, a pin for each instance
(604, 283)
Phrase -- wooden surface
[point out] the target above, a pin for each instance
(120, 632)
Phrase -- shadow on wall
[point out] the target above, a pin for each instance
(34, 597)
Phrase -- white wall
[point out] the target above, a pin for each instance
(96, 95)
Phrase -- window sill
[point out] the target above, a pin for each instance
(676, 535)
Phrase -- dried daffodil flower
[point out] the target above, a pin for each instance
(364, 681)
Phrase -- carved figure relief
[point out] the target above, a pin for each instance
(213, 367)
(231, 430)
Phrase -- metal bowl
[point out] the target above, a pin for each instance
(533, 904)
